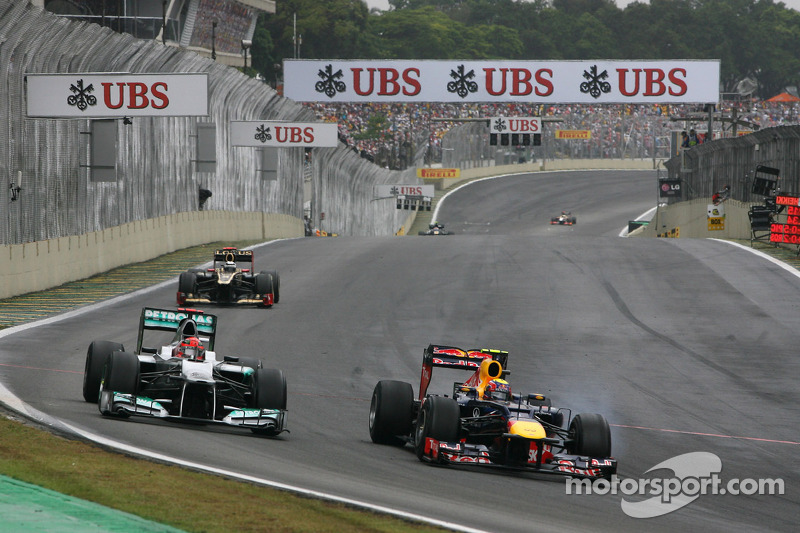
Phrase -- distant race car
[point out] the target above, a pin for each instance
(565, 218)
(184, 379)
(230, 280)
(484, 424)
(436, 228)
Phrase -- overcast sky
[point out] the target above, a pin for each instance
(384, 4)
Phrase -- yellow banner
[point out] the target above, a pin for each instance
(716, 223)
(438, 172)
(573, 134)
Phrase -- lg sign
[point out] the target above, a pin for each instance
(108, 95)
(678, 81)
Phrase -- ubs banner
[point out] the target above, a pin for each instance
(283, 134)
(596, 81)
(110, 95)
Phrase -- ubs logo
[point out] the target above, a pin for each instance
(81, 96)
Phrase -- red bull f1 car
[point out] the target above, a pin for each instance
(564, 219)
(184, 379)
(484, 424)
(230, 280)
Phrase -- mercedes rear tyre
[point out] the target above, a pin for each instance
(439, 419)
(96, 357)
(391, 412)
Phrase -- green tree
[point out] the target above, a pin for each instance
(424, 33)
(263, 52)
(755, 38)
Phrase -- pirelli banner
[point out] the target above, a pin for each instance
(114, 95)
(438, 173)
(573, 134)
(595, 81)
(283, 134)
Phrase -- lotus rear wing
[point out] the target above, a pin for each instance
(455, 358)
(234, 255)
(199, 324)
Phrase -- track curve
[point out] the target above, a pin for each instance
(684, 345)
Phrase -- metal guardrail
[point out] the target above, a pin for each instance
(707, 168)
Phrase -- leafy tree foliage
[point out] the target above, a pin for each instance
(752, 38)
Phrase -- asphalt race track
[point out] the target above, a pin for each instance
(684, 345)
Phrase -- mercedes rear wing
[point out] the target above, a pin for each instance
(455, 358)
(199, 324)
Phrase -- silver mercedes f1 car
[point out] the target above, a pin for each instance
(184, 379)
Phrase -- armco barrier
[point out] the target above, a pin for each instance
(41, 265)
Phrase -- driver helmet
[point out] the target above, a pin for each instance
(497, 389)
(230, 266)
(191, 348)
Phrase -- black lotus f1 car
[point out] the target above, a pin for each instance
(184, 379)
(564, 219)
(436, 228)
(474, 427)
(230, 280)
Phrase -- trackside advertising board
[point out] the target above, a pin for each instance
(595, 81)
(113, 95)
(515, 125)
(385, 191)
(283, 134)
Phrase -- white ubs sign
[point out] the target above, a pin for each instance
(112, 95)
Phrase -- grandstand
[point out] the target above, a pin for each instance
(220, 29)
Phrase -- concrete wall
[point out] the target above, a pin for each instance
(539, 166)
(41, 265)
(690, 220)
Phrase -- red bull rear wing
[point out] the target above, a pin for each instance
(455, 358)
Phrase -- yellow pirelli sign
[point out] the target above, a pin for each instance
(573, 134)
(438, 172)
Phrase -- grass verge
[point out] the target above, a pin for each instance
(159, 492)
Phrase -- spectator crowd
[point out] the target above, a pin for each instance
(615, 130)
